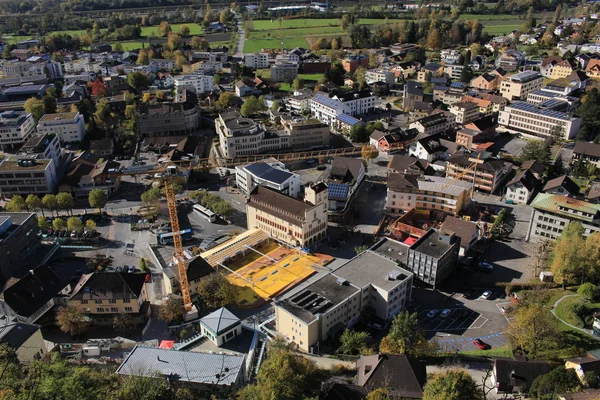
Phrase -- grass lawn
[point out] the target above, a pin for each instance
(195, 29)
(254, 45)
(493, 352)
(311, 22)
(565, 310)
(500, 29)
(311, 77)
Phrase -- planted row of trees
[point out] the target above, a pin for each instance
(54, 203)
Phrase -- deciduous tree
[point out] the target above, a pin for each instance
(72, 321)
(16, 204)
(172, 310)
(559, 380)
(588, 291)
(65, 201)
(90, 225)
(50, 203)
(568, 255)
(35, 107)
(59, 224)
(405, 336)
(451, 385)
(217, 291)
(97, 199)
(74, 224)
(533, 329)
(34, 203)
(353, 342)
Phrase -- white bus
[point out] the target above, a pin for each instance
(205, 213)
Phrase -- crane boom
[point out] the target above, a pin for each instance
(179, 259)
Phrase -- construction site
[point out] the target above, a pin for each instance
(261, 267)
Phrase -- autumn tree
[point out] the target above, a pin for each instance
(345, 22)
(184, 30)
(123, 323)
(353, 342)
(451, 385)
(72, 321)
(164, 28)
(533, 329)
(198, 43)
(405, 336)
(97, 88)
(368, 152)
(227, 99)
(50, 203)
(379, 394)
(35, 107)
(172, 311)
(59, 224)
(65, 201)
(34, 203)
(568, 255)
(298, 83)
(434, 39)
(74, 224)
(98, 199)
(90, 225)
(217, 291)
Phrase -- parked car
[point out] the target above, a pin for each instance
(481, 344)
(509, 202)
(445, 313)
(485, 266)
(432, 314)
(486, 295)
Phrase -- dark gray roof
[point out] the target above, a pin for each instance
(413, 87)
(526, 178)
(220, 320)
(341, 166)
(405, 377)
(589, 149)
(184, 366)
(511, 373)
(269, 173)
(17, 333)
(407, 164)
(432, 245)
(465, 230)
(564, 181)
(392, 249)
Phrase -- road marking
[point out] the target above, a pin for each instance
(482, 323)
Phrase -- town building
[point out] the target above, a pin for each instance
(384, 141)
(220, 326)
(485, 81)
(15, 128)
(552, 213)
(516, 376)
(548, 64)
(403, 377)
(44, 146)
(271, 174)
(68, 126)
(102, 295)
(25, 339)
(295, 222)
(401, 164)
(336, 301)
(454, 71)
(344, 179)
(200, 84)
(476, 134)
(300, 103)
(467, 231)
(351, 63)
(590, 152)
(485, 173)
(439, 122)
(465, 111)
(88, 171)
(169, 119)
(197, 269)
(412, 93)
(540, 119)
(588, 363)
(562, 185)
(439, 195)
(306, 133)
(256, 60)
(518, 86)
(510, 60)
(327, 109)
(432, 148)
(24, 176)
(520, 189)
(284, 71)
(543, 95)
(433, 256)
(380, 75)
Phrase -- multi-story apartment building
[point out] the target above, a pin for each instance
(336, 301)
(102, 295)
(465, 111)
(438, 122)
(485, 81)
(25, 176)
(68, 126)
(300, 103)
(552, 213)
(358, 103)
(18, 244)
(380, 75)
(256, 60)
(520, 189)
(351, 63)
(510, 60)
(243, 136)
(454, 71)
(271, 174)
(284, 71)
(412, 93)
(162, 64)
(540, 119)
(87, 172)
(449, 56)
(306, 133)
(485, 106)
(295, 222)
(432, 148)
(434, 193)
(543, 95)
(15, 127)
(326, 109)
(518, 86)
(200, 84)
(433, 257)
(169, 119)
(561, 69)
(44, 146)
(486, 175)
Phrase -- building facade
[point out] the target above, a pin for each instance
(69, 127)
(284, 71)
(18, 242)
(433, 256)
(168, 119)
(465, 111)
(15, 127)
(256, 60)
(24, 176)
(200, 84)
(540, 119)
(295, 222)
(271, 174)
(518, 86)
(486, 175)
(306, 133)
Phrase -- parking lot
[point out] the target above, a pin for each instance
(460, 319)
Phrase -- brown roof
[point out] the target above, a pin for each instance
(589, 149)
(564, 181)
(465, 230)
(408, 164)
(109, 285)
(403, 376)
(279, 205)
(526, 178)
(551, 59)
(593, 64)
(534, 166)
(594, 191)
(341, 166)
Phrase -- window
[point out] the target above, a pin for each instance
(100, 309)
(83, 301)
(114, 309)
(129, 309)
(126, 300)
(98, 301)
(112, 301)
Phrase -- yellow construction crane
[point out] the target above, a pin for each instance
(469, 169)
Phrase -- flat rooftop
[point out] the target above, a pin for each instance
(431, 244)
(58, 116)
(392, 249)
(318, 297)
(372, 268)
(13, 166)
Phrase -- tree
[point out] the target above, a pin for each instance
(102, 111)
(35, 107)
(358, 133)
(368, 152)
(533, 329)
(451, 385)
(152, 196)
(282, 376)
(97, 88)
(50, 203)
(568, 255)
(58, 224)
(379, 394)
(298, 83)
(74, 224)
(536, 150)
(123, 323)
(353, 342)
(65, 201)
(225, 16)
(172, 311)
(72, 321)
(227, 99)
(49, 104)
(90, 225)
(559, 380)
(43, 223)
(434, 39)
(138, 80)
(275, 105)
(592, 256)
(223, 208)
(142, 58)
(216, 291)
(197, 43)
(405, 336)
(16, 204)
(335, 44)
(34, 203)
(251, 106)
(588, 291)
(184, 30)
(130, 112)
(557, 134)
(164, 28)
(345, 22)
(466, 75)
(98, 199)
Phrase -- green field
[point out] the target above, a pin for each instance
(311, 23)
(195, 29)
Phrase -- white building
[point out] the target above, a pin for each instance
(271, 174)
(449, 56)
(358, 103)
(220, 326)
(326, 109)
(380, 75)
(539, 119)
(454, 71)
(24, 176)
(518, 86)
(15, 127)
(68, 126)
(256, 60)
(284, 71)
(199, 83)
(465, 111)
(162, 64)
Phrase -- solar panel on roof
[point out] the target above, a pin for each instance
(347, 119)
(459, 85)
(338, 190)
